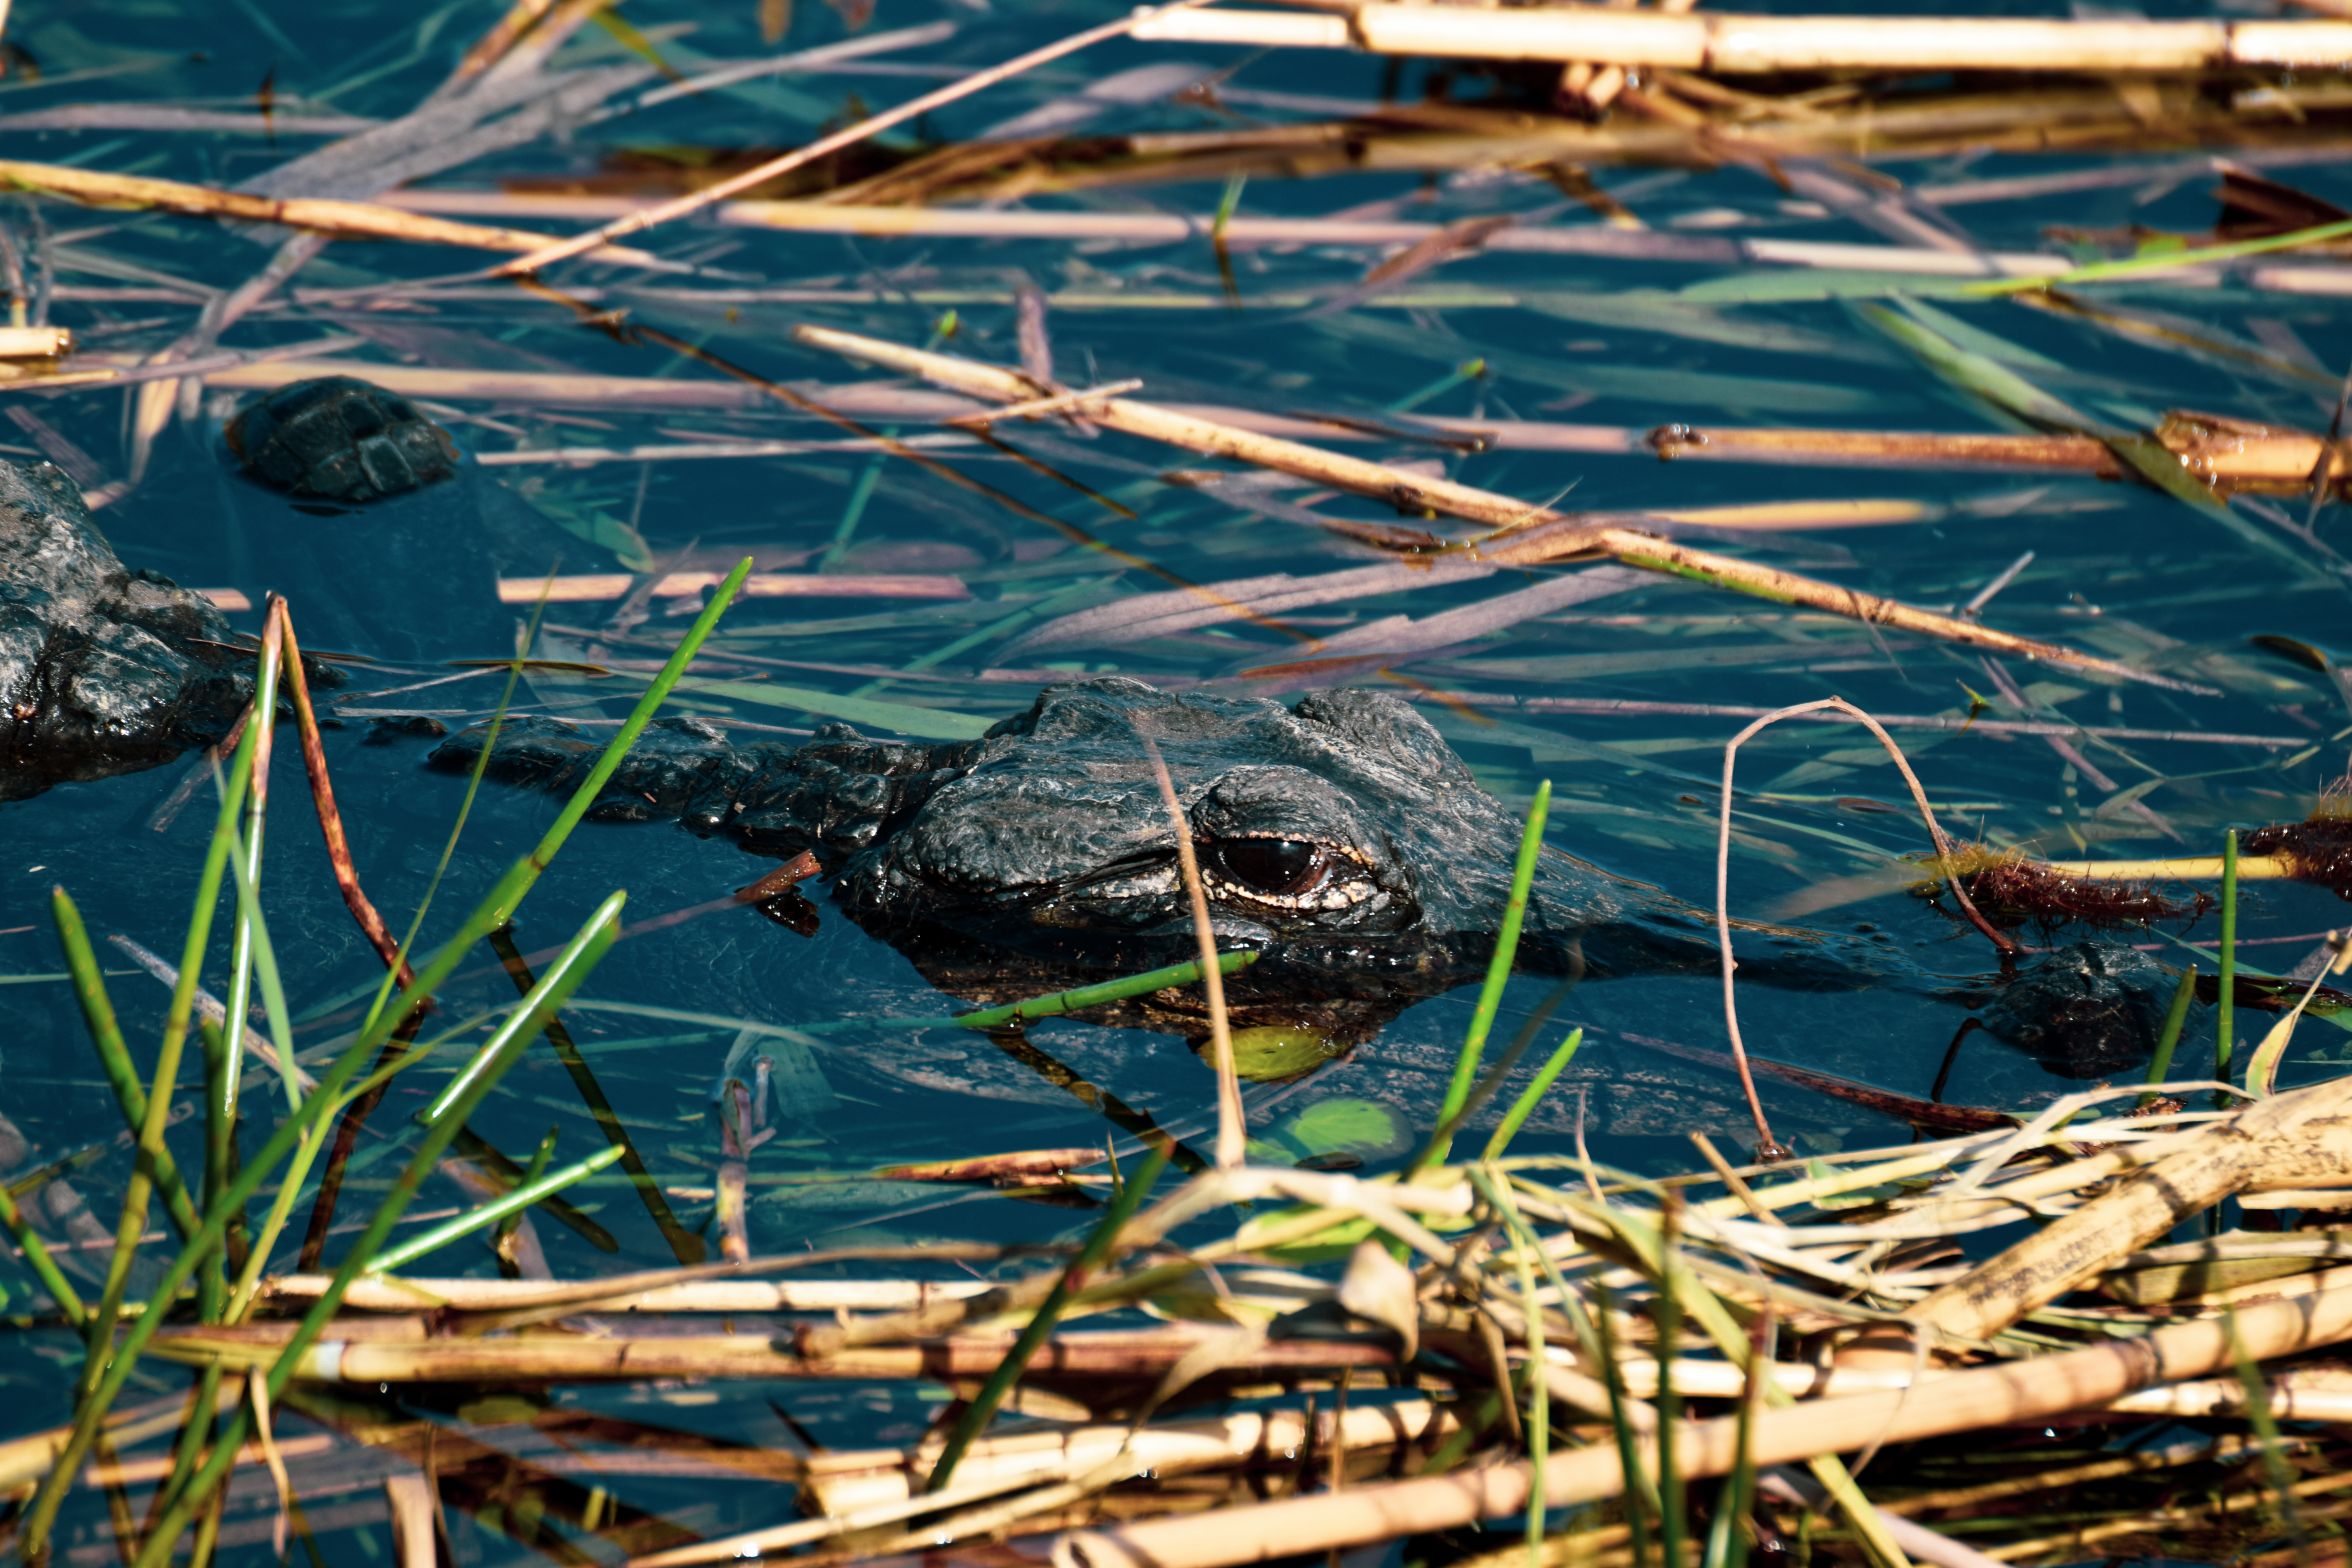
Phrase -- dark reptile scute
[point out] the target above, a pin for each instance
(337, 438)
(102, 670)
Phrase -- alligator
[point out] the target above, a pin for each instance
(1339, 838)
(103, 670)
(378, 499)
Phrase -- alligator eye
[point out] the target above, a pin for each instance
(1274, 867)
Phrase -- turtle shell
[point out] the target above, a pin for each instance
(338, 438)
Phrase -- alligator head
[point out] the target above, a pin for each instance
(1340, 838)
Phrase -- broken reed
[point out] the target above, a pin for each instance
(1584, 1283)
(1581, 1271)
(1521, 534)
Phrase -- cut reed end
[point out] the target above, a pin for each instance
(2014, 890)
(2317, 850)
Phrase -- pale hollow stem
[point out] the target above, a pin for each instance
(2183, 868)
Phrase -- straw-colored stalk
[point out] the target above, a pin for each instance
(592, 587)
(1735, 45)
(1232, 1121)
(492, 46)
(397, 1350)
(2256, 459)
(2230, 455)
(2177, 868)
(2296, 1394)
(745, 1297)
(604, 587)
(548, 253)
(1527, 535)
(846, 1480)
(415, 1543)
(35, 342)
(2226, 1158)
(1239, 231)
(348, 219)
(2030, 1389)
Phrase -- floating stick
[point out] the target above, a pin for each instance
(1526, 535)
(1733, 45)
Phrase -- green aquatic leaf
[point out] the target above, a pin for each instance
(1348, 1126)
(874, 713)
(1275, 1052)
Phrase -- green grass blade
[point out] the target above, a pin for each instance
(570, 967)
(1085, 996)
(1532, 1096)
(1000, 1382)
(1724, 1549)
(37, 1258)
(262, 958)
(2225, 1007)
(221, 1118)
(2167, 261)
(1641, 1502)
(133, 1223)
(1539, 1401)
(2175, 1017)
(684, 1245)
(2263, 1415)
(114, 1054)
(495, 910)
(1490, 995)
(1666, 1314)
(541, 1157)
(1228, 203)
(499, 907)
(514, 1202)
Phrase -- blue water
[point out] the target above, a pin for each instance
(1588, 341)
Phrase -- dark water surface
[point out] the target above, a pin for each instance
(1559, 341)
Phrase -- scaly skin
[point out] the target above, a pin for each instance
(102, 670)
(1341, 838)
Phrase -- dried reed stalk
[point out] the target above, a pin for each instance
(2231, 455)
(1244, 232)
(2033, 1388)
(354, 219)
(596, 587)
(415, 1542)
(1532, 535)
(846, 1480)
(2226, 1158)
(1749, 45)
(668, 1291)
(549, 253)
(322, 798)
(1771, 1148)
(1232, 1121)
(35, 342)
(396, 1350)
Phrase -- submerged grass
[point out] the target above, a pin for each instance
(109, 1364)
